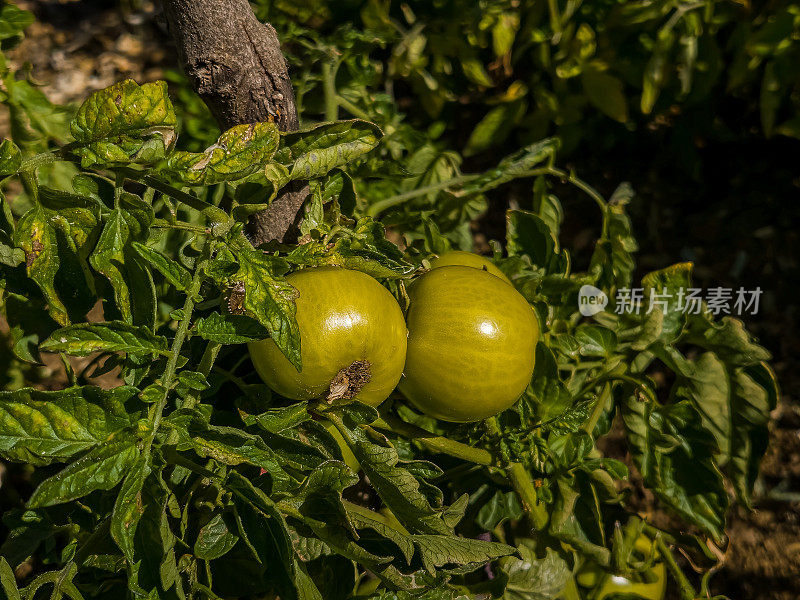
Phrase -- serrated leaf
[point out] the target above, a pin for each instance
(315, 151)
(124, 123)
(270, 300)
(440, 550)
(83, 339)
(366, 249)
(276, 420)
(400, 489)
(37, 238)
(115, 258)
(532, 578)
(100, 469)
(239, 152)
(515, 165)
(128, 508)
(38, 426)
(173, 271)
(674, 453)
(229, 329)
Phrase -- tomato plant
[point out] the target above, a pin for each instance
(124, 255)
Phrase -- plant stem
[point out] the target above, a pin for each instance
(523, 485)
(687, 592)
(39, 160)
(599, 406)
(352, 108)
(521, 482)
(164, 224)
(379, 207)
(180, 336)
(329, 69)
(382, 205)
(436, 443)
(213, 213)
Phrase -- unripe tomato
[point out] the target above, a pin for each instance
(471, 344)
(352, 339)
(593, 576)
(468, 259)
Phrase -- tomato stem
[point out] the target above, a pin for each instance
(599, 406)
(686, 590)
(435, 443)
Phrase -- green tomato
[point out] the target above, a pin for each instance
(468, 259)
(349, 458)
(352, 340)
(471, 344)
(593, 576)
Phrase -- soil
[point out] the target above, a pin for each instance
(737, 222)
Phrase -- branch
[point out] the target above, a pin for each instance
(235, 64)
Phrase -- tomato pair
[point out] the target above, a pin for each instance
(467, 354)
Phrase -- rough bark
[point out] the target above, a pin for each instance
(235, 64)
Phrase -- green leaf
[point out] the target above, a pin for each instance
(532, 578)
(440, 550)
(674, 453)
(37, 237)
(13, 21)
(10, 156)
(173, 271)
(501, 506)
(605, 91)
(364, 249)
(239, 152)
(128, 508)
(402, 492)
(734, 404)
(727, 338)
(264, 531)
(231, 446)
(270, 300)
(663, 291)
(124, 123)
(315, 151)
(100, 469)
(754, 396)
(596, 341)
(8, 583)
(83, 339)
(115, 258)
(511, 167)
(276, 420)
(528, 234)
(215, 539)
(37, 426)
(612, 260)
(496, 126)
(229, 329)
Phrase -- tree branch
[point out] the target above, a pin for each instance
(235, 64)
